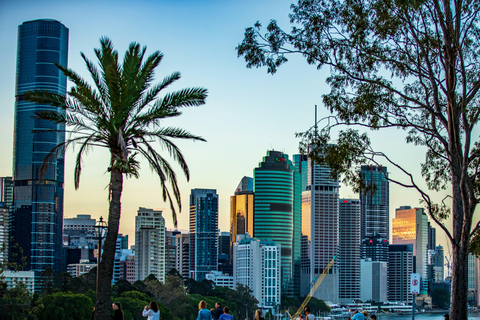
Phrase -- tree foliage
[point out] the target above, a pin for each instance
(410, 65)
(66, 306)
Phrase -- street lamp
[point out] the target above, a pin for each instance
(100, 228)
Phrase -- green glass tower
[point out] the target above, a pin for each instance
(277, 188)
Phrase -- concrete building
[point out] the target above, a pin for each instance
(182, 251)
(13, 278)
(203, 232)
(320, 229)
(349, 250)
(373, 285)
(77, 269)
(257, 264)
(410, 226)
(399, 269)
(6, 208)
(37, 217)
(149, 244)
(170, 250)
(220, 279)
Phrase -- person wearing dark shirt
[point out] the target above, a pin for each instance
(117, 311)
(218, 311)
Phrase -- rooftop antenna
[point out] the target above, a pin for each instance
(316, 127)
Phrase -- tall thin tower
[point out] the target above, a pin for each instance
(38, 205)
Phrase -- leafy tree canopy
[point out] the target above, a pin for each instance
(410, 65)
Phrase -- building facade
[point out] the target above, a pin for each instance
(241, 210)
(399, 269)
(410, 226)
(37, 217)
(182, 251)
(277, 208)
(374, 199)
(203, 232)
(257, 264)
(149, 244)
(349, 250)
(320, 230)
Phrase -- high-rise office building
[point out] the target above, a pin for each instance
(6, 205)
(38, 204)
(170, 250)
(399, 269)
(182, 251)
(373, 284)
(349, 250)
(278, 214)
(432, 237)
(203, 232)
(375, 210)
(241, 210)
(320, 230)
(224, 260)
(410, 226)
(256, 264)
(149, 244)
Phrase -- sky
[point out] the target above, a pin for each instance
(247, 111)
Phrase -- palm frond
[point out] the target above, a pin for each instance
(97, 79)
(190, 97)
(78, 162)
(45, 97)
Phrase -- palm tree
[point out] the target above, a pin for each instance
(122, 113)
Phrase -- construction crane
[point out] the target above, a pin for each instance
(313, 289)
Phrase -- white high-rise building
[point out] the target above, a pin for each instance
(373, 284)
(256, 264)
(149, 244)
(349, 255)
(320, 230)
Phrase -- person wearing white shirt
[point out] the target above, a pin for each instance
(151, 311)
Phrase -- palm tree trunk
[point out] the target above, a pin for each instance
(102, 305)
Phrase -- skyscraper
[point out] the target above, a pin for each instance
(149, 244)
(38, 205)
(375, 211)
(399, 269)
(203, 232)
(410, 226)
(6, 202)
(241, 210)
(320, 230)
(277, 213)
(349, 250)
(257, 265)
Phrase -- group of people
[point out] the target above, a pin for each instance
(219, 313)
(151, 311)
(357, 315)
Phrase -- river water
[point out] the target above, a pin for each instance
(422, 316)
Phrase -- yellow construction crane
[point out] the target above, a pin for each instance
(313, 289)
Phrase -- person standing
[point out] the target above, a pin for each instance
(357, 315)
(218, 310)
(308, 313)
(117, 311)
(225, 314)
(203, 312)
(151, 311)
(259, 315)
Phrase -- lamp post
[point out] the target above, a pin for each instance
(100, 228)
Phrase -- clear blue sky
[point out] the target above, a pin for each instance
(247, 111)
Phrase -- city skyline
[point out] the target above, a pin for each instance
(201, 45)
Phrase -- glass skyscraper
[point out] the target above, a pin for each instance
(375, 212)
(278, 213)
(203, 232)
(38, 205)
